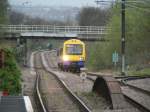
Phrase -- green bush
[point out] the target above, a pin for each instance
(137, 40)
(10, 74)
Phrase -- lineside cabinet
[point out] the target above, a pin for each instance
(1, 58)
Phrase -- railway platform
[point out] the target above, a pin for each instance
(15, 104)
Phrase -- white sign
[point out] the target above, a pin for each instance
(83, 76)
(115, 57)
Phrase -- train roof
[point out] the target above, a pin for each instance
(73, 41)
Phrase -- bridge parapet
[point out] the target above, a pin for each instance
(79, 30)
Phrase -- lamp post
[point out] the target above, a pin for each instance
(25, 40)
(123, 36)
(122, 33)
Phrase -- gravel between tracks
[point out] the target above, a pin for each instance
(141, 83)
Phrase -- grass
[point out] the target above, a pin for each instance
(94, 101)
(142, 72)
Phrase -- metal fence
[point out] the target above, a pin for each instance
(80, 30)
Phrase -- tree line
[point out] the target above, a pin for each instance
(137, 38)
(93, 16)
(3, 11)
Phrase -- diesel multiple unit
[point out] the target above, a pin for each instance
(72, 55)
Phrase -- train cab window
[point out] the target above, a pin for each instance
(74, 49)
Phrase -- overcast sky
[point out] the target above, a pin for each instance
(78, 3)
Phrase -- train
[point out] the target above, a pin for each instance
(71, 56)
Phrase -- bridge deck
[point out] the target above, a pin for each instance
(41, 31)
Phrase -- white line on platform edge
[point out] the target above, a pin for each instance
(28, 104)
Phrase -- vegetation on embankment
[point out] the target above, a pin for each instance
(93, 16)
(142, 72)
(137, 39)
(10, 75)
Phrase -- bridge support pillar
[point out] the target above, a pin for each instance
(25, 52)
(18, 42)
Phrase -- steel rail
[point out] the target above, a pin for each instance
(121, 77)
(38, 94)
(139, 89)
(123, 81)
(136, 103)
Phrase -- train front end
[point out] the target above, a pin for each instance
(73, 55)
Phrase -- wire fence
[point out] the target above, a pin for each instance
(93, 30)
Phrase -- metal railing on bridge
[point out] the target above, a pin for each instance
(79, 30)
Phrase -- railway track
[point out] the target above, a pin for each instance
(50, 68)
(77, 85)
(140, 97)
(133, 94)
(92, 79)
(119, 78)
(42, 103)
(132, 101)
(52, 93)
(37, 94)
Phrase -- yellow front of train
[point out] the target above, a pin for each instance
(73, 56)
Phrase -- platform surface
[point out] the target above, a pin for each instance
(12, 104)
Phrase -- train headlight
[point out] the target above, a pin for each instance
(65, 58)
(81, 59)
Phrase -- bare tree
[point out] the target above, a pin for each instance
(19, 18)
(93, 16)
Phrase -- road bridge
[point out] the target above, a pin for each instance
(52, 31)
(26, 32)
